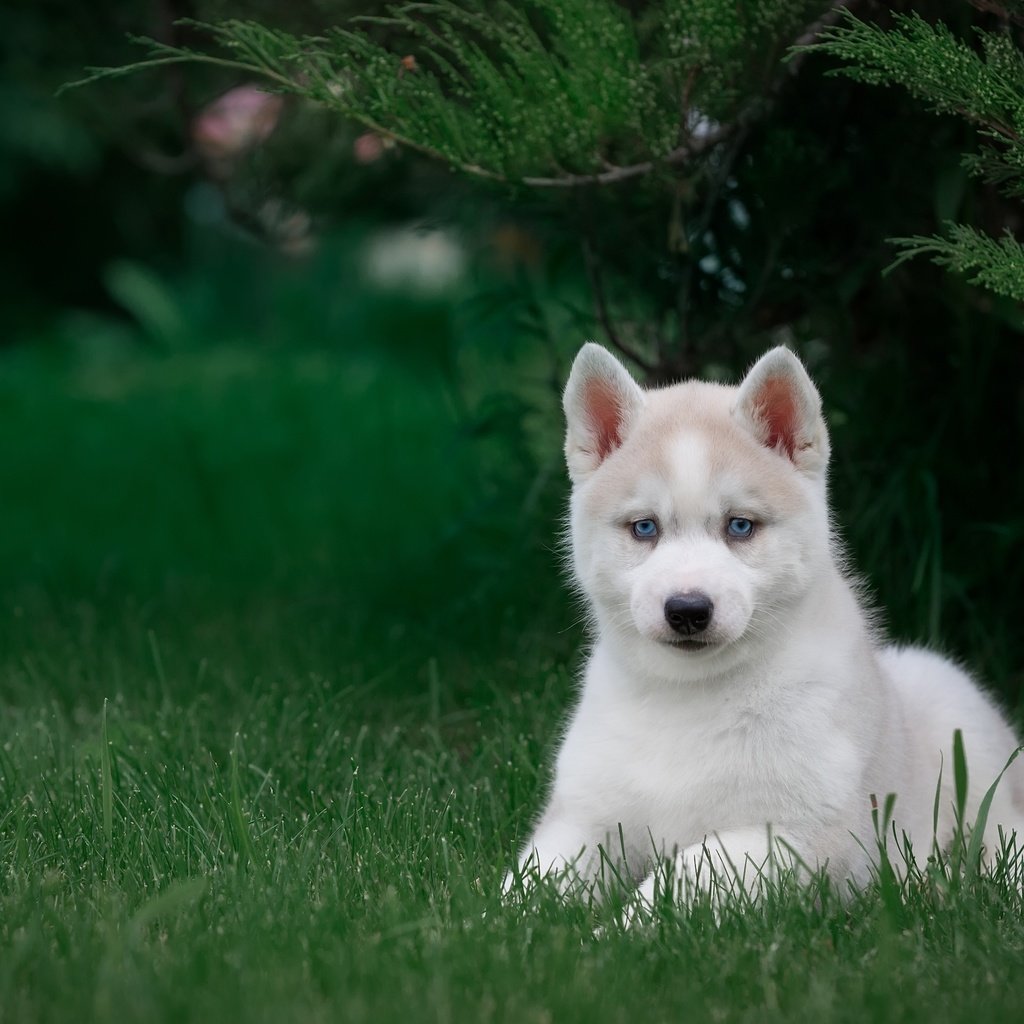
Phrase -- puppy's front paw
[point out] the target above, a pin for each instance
(679, 882)
(639, 909)
(648, 890)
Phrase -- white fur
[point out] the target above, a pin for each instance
(779, 733)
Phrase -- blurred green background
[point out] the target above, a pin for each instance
(345, 438)
(303, 391)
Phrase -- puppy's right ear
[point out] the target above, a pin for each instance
(601, 402)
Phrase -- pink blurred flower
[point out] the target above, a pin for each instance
(233, 124)
(368, 148)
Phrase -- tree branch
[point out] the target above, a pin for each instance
(679, 155)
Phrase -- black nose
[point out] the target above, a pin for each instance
(689, 613)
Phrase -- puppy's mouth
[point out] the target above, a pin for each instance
(690, 644)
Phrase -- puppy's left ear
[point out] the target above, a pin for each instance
(780, 405)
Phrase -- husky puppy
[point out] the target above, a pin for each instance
(737, 703)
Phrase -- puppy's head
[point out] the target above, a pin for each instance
(698, 516)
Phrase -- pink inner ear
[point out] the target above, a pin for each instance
(776, 410)
(605, 414)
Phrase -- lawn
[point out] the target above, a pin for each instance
(284, 655)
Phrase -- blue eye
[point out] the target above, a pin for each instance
(739, 528)
(645, 529)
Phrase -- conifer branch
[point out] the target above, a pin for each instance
(934, 66)
(984, 85)
(503, 91)
(997, 265)
(696, 145)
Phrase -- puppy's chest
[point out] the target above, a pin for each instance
(705, 765)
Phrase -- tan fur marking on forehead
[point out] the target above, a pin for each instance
(705, 410)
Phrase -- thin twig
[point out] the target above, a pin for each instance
(601, 307)
(679, 155)
(684, 362)
(684, 102)
(998, 9)
(827, 20)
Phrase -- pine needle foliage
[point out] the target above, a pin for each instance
(981, 83)
(995, 264)
(541, 92)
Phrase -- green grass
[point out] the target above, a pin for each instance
(283, 658)
(297, 850)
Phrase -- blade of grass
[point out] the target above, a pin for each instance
(106, 787)
(974, 848)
